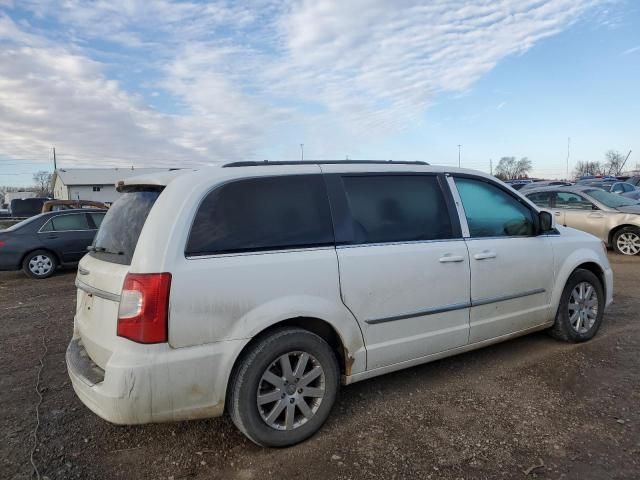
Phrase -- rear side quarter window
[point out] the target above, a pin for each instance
(263, 213)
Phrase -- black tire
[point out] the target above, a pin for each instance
(629, 244)
(247, 378)
(563, 329)
(48, 262)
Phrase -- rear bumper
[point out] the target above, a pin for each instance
(156, 383)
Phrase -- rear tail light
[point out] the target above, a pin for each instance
(2, 243)
(144, 307)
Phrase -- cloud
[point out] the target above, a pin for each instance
(501, 105)
(631, 50)
(228, 79)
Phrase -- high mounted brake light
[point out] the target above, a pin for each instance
(144, 307)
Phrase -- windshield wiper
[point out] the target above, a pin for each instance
(91, 248)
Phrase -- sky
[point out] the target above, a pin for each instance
(188, 83)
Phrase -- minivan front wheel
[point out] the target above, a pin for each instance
(284, 388)
(581, 308)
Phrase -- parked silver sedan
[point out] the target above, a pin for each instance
(613, 218)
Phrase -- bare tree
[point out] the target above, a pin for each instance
(509, 168)
(42, 181)
(584, 168)
(614, 161)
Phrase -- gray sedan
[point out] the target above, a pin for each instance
(613, 218)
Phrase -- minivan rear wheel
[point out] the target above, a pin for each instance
(284, 387)
(39, 264)
(581, 308)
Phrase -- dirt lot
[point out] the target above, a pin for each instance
(529, 408)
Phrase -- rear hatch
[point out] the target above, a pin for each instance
(101, 273)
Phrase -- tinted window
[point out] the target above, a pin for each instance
(262, 214)
(397, 208)
(492, 212)
(97, 218)
(572, 201)
(122, 224)
(542, 199)
(77, 221)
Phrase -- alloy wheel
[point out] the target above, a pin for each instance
(628, 243)
(583, 307)
(291, 390)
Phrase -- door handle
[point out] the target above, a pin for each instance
(51, 237)
(595, 215)
(448, 258)
(484, 255)
(557, 214)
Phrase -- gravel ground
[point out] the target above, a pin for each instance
(528, 408)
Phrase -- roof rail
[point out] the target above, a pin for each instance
(320, 162)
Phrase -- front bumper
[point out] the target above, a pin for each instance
(154, 383)
(608, 280)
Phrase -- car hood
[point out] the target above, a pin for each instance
(630, 209)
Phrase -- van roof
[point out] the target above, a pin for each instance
(250, 168)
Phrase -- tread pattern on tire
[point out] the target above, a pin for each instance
(561, 329)
(245, 362)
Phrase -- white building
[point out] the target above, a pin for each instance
(97, 184)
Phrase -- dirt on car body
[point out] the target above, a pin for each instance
(528, 408)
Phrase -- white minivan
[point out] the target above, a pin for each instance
(259, 288)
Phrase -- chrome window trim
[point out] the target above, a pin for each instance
(259, 252)
(464, 226)
(400, 242)
(62, 231)
(455, 306)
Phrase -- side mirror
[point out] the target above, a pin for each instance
(547, 221)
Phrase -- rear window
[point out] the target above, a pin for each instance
(268, 213)
(117, 237)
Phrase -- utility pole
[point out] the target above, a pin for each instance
(491, 166)
(623, 164)
(55, 166)
(302, 151)
(568, 154)
(459, 155)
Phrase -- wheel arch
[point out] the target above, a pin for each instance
(616, 229)
(320, 327)
(581, 258)
(30, 251)
(596, 270)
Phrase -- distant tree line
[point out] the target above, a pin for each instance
(612, 165)
(509, 168)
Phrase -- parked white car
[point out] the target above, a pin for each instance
(260, 288)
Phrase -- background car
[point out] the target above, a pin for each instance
(611, 186)
(40, 244)
(26, 207)
(518, 184)
(55, 205)
(545, 183)
(610, 217)
(634, 180)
